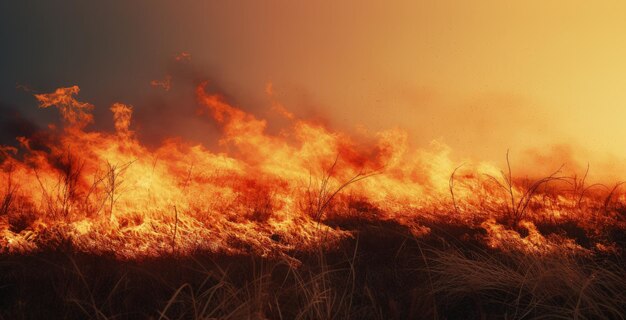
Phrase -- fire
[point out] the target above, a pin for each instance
(165, 84)
(268, 194)
(75, 113)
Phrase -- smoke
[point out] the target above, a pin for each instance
(13, 124)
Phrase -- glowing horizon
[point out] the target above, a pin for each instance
(543, 80)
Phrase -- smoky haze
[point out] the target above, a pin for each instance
(481, 77)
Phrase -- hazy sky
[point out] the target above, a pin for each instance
(481, 76)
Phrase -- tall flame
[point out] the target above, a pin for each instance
(268, 194)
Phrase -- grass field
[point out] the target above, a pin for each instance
(310, 224)
(382, 273)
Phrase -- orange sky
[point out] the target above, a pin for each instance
(481, 76)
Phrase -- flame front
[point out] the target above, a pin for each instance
(269, 194)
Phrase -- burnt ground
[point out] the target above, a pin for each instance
(382, 273)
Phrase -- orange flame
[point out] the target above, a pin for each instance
(74, 112)
(268, 194)
(166, 83)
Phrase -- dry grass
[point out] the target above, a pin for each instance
(371, 277)
(530, 286)
(383, 273)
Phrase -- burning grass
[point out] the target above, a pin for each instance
(308, 224)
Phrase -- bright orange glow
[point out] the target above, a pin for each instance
(268, 194)
(481, 76)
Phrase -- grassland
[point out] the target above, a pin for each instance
(382, 273)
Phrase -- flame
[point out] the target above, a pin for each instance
(121, 118)
(75, 113)
(267, 194)
(165, 84)
(277, 106)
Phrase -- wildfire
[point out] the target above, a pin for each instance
(106, 192)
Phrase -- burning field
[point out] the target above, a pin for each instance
(308, 223)
(106, 193)
(312, 160)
